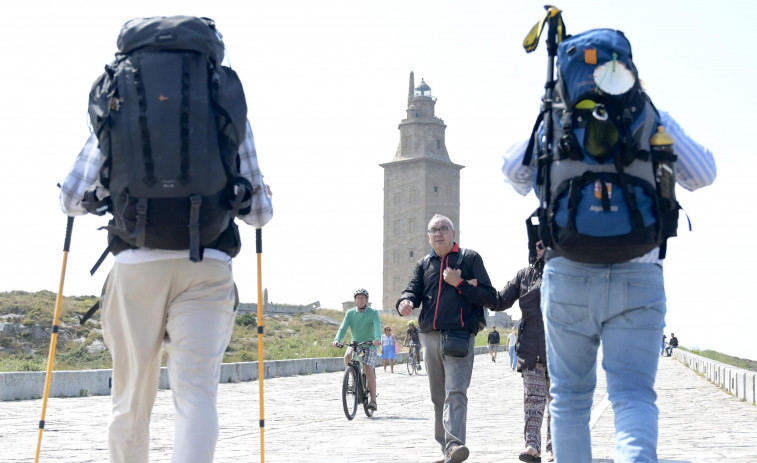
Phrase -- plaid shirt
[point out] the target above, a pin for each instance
(86, 173)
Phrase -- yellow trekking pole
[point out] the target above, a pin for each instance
(54, 338)
(261, 366)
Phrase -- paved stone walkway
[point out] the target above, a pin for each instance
(305, 422)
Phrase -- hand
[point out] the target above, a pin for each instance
(376, 343)
(453, 276)
(334, 344)
(268, 190)
(473, 282)
(406, 307)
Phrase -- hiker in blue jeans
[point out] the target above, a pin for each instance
(620, 305)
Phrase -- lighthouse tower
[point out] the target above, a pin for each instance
(419, 181)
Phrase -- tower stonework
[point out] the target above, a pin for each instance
(419, 182)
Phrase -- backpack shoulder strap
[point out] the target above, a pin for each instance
(532, 141)
(458, 262)
(460, 257)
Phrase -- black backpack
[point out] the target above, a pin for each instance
(169, 119)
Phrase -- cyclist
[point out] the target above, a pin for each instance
(412, 335)
(365, 325)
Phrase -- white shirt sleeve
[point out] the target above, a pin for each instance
(695, 166)
(520, 177)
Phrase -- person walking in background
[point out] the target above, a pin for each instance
(512, 339)
(413, 334)
(493, 341)
(531, 350)
(364, 325)
(388, 342)
(672, 344)
(156, 297)
(452, 312)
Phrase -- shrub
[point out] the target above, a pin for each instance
(247, 319)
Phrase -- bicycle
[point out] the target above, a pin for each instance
(412, 359)
(355, 385)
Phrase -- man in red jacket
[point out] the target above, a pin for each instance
(451, 307)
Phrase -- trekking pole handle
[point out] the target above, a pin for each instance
(69, 229)
(259, 240)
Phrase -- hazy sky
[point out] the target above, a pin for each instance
(326, 86)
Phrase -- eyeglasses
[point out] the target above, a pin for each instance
(539, 246)
(389, 330)
(434, 231)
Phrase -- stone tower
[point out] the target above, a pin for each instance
(419, 182)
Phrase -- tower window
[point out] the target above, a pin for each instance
(411, 253)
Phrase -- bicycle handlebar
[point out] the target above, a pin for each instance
(353, 344)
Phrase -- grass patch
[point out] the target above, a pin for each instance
(737, 362)
(284, 336)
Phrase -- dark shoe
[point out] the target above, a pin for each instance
(494, 360)
(419, 367)
(372, 406)
(457, 454)
(530, 454)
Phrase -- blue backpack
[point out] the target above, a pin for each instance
(606, 191)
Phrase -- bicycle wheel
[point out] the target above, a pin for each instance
(366, 396)
(410, 363)
(350, 393)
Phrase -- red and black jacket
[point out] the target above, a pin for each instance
(444, 307)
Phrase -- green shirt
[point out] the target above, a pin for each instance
(364, 326)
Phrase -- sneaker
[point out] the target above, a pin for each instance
(457, 454)
(530, 454)
(494, 360)
(419, 367)
(372, 406)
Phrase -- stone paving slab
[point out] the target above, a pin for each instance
(305, 422)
